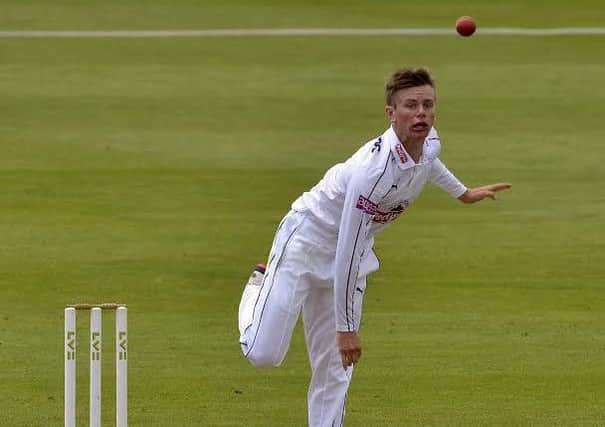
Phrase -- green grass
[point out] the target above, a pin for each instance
(154, 172)
(192, 14)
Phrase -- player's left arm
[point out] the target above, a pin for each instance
(441, 176)
(444, 179)
(477, 194)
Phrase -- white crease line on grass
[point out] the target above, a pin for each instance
(303, 32)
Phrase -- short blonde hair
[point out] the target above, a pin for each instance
(406, 78)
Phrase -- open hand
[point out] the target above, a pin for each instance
(477, 194)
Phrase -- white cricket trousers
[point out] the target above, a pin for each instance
(300, 276)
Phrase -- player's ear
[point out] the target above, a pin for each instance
(390, 112)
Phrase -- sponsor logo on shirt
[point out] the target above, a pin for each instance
(391, 215)
(366, 205)
(377, 145)
(401, 153)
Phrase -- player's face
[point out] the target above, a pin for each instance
(413, 114)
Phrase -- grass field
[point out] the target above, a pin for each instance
(154, 171)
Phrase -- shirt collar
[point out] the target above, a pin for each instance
(402, 157)
(430, 149)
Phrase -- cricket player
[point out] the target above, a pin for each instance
(322, 250)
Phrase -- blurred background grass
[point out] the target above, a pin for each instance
(191, 14)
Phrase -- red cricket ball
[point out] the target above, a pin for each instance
(465, 25)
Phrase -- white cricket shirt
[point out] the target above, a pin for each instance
(358, 198)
